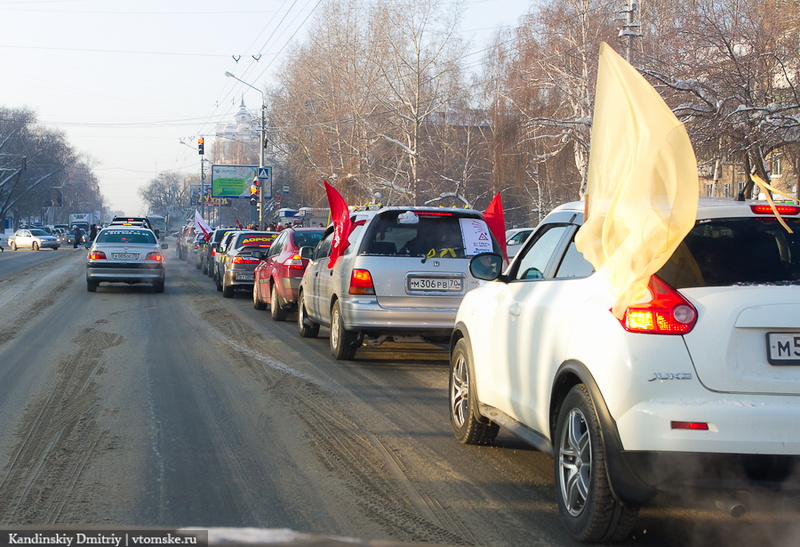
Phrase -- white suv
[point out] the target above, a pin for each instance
(698, 386)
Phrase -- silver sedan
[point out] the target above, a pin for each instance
(32, 238)
(125, 254)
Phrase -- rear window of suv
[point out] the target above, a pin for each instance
(739, 251)
(416, 233)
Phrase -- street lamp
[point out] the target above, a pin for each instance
(263, 132)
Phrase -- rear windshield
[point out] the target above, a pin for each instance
(126, 236)
(441, 235)
(737, 251)
(307, 239)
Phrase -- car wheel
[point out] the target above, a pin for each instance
(587, 507)
(469, 427)
(13, 246)
(55, 248)
(91, 286)
(227, 291)
(158, 286)
(257, 303)
(343, 342)
(204, 267)
(34, 246)
(276, 309)
(305, 326)
(218, 282)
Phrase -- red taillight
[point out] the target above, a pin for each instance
(97, 255)
(361, 282)
(667, 312)
(782, 209)
(294, 262)
(696, 426)
(244, 260)
(158, 257)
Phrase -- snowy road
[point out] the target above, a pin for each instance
(126, 407)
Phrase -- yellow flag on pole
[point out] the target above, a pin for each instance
(642, 186)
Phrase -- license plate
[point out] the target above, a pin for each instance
(435, 284)
(125, 256)
(783, 348)
(244, 277)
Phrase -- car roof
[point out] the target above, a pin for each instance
(707, 208)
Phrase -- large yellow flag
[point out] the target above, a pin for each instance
(642, 187)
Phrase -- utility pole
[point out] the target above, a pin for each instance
(630, 29)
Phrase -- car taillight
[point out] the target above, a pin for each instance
(294, 262)
(158, 257)
(361, 282)
(667, 312)
(782, 209)
(97, 255)
(244, 260)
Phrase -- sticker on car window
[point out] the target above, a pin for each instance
(476, 236)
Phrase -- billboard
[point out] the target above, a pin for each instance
(204, 197)
(232, 181)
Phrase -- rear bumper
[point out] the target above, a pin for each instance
(366, 315)
(125, 273)
(238, 278)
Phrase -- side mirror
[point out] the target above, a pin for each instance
(486, 266)
(306, 252)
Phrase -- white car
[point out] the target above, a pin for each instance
(32, 238)
(698, 387)
(126, 254)
(515, 237)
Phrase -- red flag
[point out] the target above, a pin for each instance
(340, 216)
(239, 224)
(496, 220)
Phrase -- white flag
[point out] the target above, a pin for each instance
(200, 224)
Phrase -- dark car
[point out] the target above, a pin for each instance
(209, 250)
(238, 263)
(278, 275)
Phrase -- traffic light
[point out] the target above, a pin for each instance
(254, 191)
(201, 148)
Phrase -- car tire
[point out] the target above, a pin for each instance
(469, 427)
(305, 326)
(34, 246)
(218, 283)
(13, 246)
(276, 309)
(91, 286)
(343, 343)
(588, 509)
(55, 248)
(227, 291)
(158, 286)
(204, 267)
(257, 302)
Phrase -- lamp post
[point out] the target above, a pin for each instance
(263, 136)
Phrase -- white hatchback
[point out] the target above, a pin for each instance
(698, 386)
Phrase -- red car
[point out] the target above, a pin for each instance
(278, 274)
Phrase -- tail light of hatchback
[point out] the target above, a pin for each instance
(97, 255)
(361, 282)
(158, 257)
(294, 262)
(667, 312)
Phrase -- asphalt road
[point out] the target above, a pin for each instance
(129, 408)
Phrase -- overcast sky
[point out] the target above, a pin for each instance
(134, 83)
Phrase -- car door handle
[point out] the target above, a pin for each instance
(514, 309)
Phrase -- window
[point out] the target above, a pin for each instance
(723, 252)
(573, 265)
(533, 264)
(777, 166)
